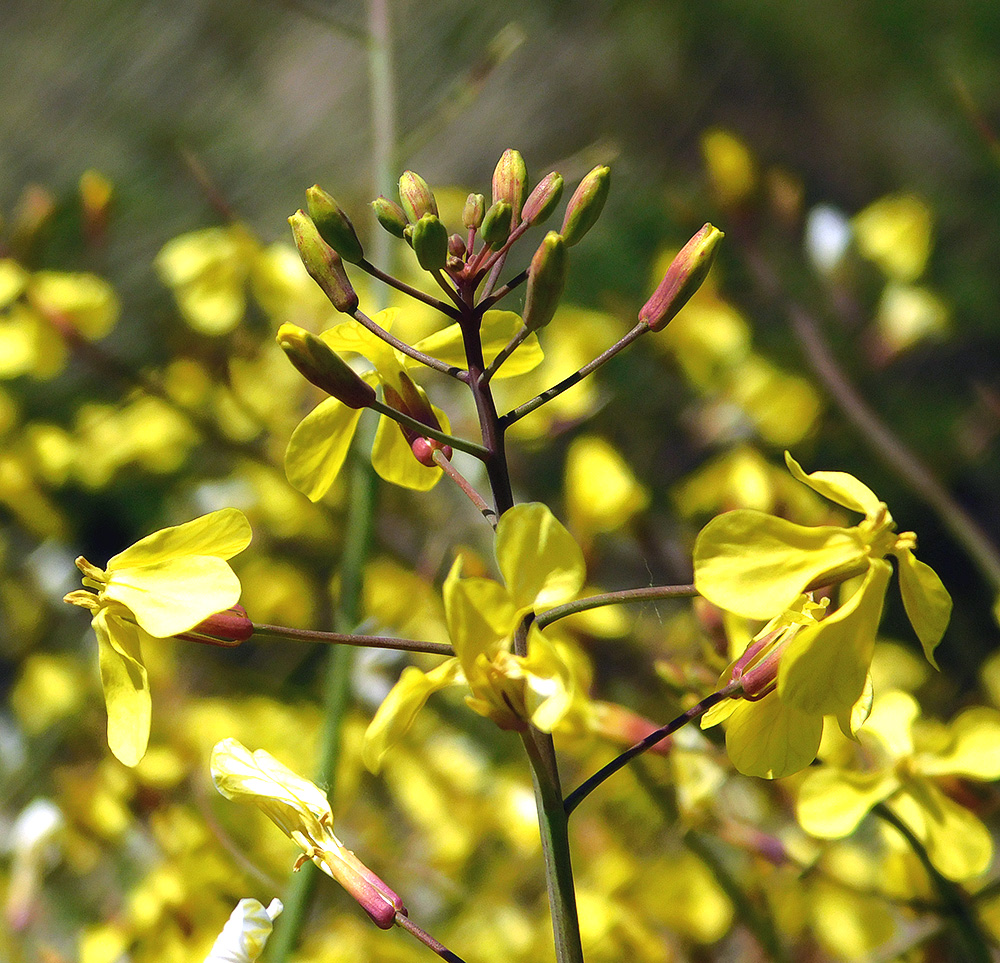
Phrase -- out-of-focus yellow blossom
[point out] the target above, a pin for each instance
(908, 313)
(782, 407)
(895, 233)
(757, 565)
(246, 932)
(34, 310)
(164, 584)
(50, 688)
(302, 812)
(542, 567)
(207, 271)
(743, 478)
(318, 447)
(731, 168)
(909, 763)
(401, 600)
(602, 494)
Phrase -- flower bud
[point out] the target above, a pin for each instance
(456, 246)
(334, 225)
(543, 199)
(497, 224)
(411, 400)
(227, 629)
(417, 197)
(510, 178)
(430, 242)
(546, 280)
(472, 213)
(319, 363)
(423, 450)
(685, 275)
(585, 205)
(323, 263)
(390, 215)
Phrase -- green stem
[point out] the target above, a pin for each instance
(390, 339)
(644, 594)
(585, 788)
(405, 923)
(407, 289)
(529, 406)
(553, 825)
(425, 431)
(278, 633)
(969, 940)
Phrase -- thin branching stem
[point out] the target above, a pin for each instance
(283, 633)
(408, 350)
(644, 594)
(408, 289)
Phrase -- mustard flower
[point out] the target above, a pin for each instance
(246, 932)
(302, 812)
(757, 565)
(542, 567)
(319, 445)
(908, 763)
(768, 736)
(163, 585)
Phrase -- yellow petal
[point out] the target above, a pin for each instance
(891, 720)
(957, 842)
(497, 329)
(318, 447)
(756, 565)
(549, 681)
(540, 561)
(839, 487)
(400, 707)
(825, 666)
(769, 739)
(126, 688)
(480, 615)
(88, 302)
(832, 802)
(926, 600)
(972, 750)
(602, 494)
(394, 461)
(223, 534)
(895, 233)
(352, 336)
(176, 594)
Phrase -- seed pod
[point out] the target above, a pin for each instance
(416, 196)
(546, 280)
(497, 224)
(323, 263)
(334, 225)
(316, 361)
(510, 179)
(585, 205)
(430, 242)
(685, 275)
(543, 199)
(390, 215)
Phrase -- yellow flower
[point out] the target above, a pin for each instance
(319, 445)
(163, 585)
(302, 812)
(542, 567)
(245, 934)
(757, 565)
(905, 762)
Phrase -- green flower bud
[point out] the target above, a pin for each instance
(510, 179)
(685, 275)
(543, 199)
(334, 225)
(585, 205)
(390, 215)
(323, 263)
(472, 213)
(417, 197)
(497, 224)
(546, 280)
(430, 242)
(316, 361)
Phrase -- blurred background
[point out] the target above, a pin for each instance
(779, 121)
